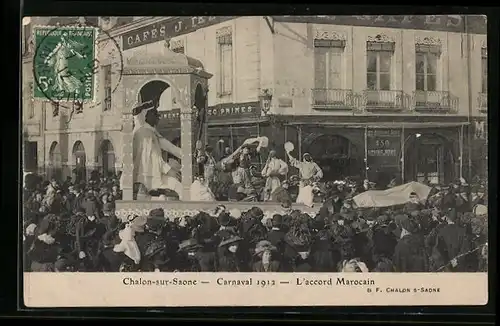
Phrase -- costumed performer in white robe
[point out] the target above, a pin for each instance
(150, 169)
(200, 191)
(273, 170)
(309, 172)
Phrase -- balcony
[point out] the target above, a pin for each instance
(434, 101)
(382, 100)
(482, 102)
(333, 99)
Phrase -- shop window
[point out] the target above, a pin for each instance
(379, 62)
(426, 60)
(106, 69)
(225, 54)
(328, 58)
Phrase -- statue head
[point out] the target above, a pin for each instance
(152, 117)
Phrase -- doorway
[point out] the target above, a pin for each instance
(107, 154)
(336, 155)
(429, 159)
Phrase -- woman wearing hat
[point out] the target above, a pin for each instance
(152, 244)
(194, 257)
(267, 263)
(297, 249)
(230, 258)
(44, 250)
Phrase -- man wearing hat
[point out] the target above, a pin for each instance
(410, 254)
(309, 172)
(452, 242)
(150, 169)
(276, 236)
(77, 199)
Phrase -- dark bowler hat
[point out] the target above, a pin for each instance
(156, 218)
(224, 219)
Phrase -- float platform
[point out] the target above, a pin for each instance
(173, 209)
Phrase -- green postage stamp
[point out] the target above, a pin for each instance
(65, 63)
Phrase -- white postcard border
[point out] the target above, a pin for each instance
(266, 289)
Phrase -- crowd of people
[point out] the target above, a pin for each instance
(73, 227)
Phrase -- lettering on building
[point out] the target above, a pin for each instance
(168, 28)
(220, 112)
(383, 147)
(476, 24)
(234, 111)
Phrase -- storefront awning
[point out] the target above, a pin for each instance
(391, 125)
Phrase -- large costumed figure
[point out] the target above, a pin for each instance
(151, 172)
(309, 173)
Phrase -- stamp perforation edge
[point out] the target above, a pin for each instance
(95, 58)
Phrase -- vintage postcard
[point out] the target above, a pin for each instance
(255, 161)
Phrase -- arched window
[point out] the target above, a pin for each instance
(55, 161)
(79, 158)
(107, 154)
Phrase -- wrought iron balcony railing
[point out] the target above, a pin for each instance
(327, 98)
(439, 101)
(482, 102)
(383, 100)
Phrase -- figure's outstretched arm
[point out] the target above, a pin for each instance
(169, 147)
(293, 161)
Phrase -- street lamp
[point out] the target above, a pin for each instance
(265, 101)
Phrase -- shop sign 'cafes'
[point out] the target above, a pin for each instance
(168, 28)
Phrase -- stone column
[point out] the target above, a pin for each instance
(127, 185)
(187, 144)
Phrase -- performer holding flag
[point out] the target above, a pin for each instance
(309, 172)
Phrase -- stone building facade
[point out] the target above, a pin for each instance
(404, 95)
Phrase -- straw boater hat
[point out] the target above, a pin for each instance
(229, 241)
(264, 245)
(189, 245)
